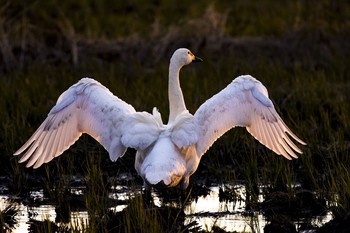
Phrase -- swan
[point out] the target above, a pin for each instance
(166, 154)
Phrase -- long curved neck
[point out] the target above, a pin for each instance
(176, 99)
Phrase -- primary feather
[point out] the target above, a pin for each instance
(166, 153)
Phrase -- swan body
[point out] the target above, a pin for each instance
(169, 153)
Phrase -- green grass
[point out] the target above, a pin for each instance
(298, 49)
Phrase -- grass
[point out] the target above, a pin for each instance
(298, 49)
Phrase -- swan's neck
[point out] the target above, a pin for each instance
(176, 99)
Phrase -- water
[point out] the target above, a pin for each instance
(206, 210)
(229, 216)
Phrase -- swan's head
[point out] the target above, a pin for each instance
(183, 57)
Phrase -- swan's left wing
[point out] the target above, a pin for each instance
(245, 103)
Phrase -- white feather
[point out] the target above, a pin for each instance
(140, 130)
(183, 130)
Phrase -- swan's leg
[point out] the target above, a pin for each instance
(184, 192)
(147, 192)
(147, 186)
(185, 182)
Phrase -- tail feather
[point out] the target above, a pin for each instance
(155, 178)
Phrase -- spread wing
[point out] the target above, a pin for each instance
(86, 107)
(245, 103)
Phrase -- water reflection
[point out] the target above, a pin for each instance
(207, 210)
(29, 213)
(228, 215)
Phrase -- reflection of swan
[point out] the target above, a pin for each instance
(166, 154)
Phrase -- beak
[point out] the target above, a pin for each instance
(197, 59)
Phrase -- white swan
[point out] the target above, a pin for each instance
(166, 154)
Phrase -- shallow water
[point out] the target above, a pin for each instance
(206, 210)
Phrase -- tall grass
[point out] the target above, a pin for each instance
(96, 197)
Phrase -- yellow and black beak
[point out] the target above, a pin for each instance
(196, 59)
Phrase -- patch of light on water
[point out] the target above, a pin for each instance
(231, 223)
(208, 211)
(157, 200)
(317, 221)
(41, 213)
(122, 193)
(321, 220)
(210, 203)
(118, 208)
(36, 195)
(77, 190)
(79, 219)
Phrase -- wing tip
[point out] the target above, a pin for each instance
(23, 148)
(17, 153)
(21, 160)
(36, 166)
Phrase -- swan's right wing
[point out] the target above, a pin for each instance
(245, 103)
(86, 107)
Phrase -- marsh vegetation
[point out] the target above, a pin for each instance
(299, 49)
